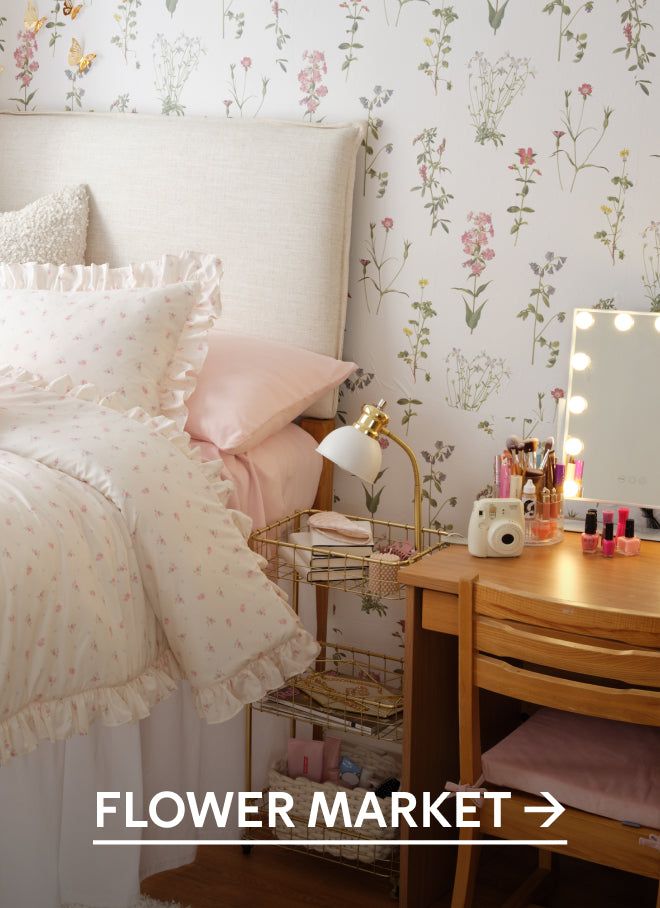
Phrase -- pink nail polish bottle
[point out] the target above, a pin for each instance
(608, 517)
(590, 535)
(608, 540)
(629, 544)
(621, 526)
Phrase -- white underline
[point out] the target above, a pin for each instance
(334, 842)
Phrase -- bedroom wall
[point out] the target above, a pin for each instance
(460, 302)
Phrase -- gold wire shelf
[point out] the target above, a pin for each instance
(382, 861)
(349, 689)
(339, 570)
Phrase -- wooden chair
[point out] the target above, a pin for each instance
(496, 626)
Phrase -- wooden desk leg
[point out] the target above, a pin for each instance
(322, 598)
(430, 750)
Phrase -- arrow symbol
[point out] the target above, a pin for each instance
(555, 809)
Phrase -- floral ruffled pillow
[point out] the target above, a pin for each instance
(140, 330)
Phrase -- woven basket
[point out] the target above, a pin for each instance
(302, 791)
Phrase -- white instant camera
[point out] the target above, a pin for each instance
(497, 528)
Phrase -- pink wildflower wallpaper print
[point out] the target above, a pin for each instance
(27, 64)
(508, 174)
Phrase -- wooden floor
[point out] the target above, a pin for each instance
(223, 877)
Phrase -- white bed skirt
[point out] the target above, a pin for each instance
(48, 802)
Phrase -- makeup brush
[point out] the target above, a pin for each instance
(530, 448)
(515, 446)
(548, 445)
(550, 469)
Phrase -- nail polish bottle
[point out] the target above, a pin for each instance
(608, 540)
(608, 517)
(590, 535)
(621, 526)
(629, 544)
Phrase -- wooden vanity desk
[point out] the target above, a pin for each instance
(590, 596)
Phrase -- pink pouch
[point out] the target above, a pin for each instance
(331, 754)
(305, 758)
(340, 526)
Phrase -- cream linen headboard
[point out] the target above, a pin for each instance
(272, 198)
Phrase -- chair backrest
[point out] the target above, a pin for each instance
(607, 679)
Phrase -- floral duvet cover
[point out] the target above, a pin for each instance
(122, 571)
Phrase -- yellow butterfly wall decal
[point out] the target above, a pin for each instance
(77, 58)
(71, 10)
(31, 20)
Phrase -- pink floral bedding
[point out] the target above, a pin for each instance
(121, 571)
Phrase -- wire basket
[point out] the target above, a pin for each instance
(349, 689)
(360, 574)
(379, 860)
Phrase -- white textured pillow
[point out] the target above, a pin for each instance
(145, 344)
(52, 229)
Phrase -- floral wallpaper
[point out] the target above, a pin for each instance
(510, 173)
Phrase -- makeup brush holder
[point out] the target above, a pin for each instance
(544, 522)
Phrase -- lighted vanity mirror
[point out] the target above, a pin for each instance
(613, 405)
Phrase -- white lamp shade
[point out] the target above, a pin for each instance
(353, 451)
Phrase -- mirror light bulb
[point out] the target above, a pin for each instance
(624, 322)
(581, 361)
(584, 320)
(577, 404)
(571, 489)
(573, 447)
(657, 324)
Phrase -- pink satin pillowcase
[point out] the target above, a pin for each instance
(250, 388)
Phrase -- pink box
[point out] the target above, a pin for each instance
(305, 758)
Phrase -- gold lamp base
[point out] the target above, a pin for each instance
(373, 422)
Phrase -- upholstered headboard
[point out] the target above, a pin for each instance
(272, 198)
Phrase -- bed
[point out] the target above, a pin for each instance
(273, 200)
